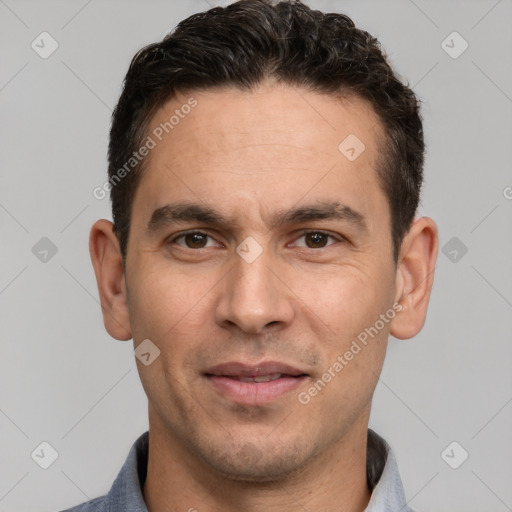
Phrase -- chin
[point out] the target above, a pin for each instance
(256, 464)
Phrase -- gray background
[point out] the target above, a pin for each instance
(66, 382)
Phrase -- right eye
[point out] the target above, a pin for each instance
(192, 240)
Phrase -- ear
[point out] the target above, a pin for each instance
(415, 277)
(108, 267)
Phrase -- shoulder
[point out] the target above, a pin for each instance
(126, 491)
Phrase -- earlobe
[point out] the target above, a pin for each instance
(415, 277)
(108, 267)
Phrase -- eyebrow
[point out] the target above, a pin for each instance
(186, 212)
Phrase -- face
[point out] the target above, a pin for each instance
(258, 254)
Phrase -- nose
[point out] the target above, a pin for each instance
(255, 297)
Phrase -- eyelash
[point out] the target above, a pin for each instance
(339, 238)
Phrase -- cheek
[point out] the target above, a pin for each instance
(160, 302)
(347, 298)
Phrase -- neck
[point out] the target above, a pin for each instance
(335, 481)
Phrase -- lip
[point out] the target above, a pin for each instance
(223, 379)
(239, 369)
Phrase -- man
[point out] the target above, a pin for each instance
(265, 166)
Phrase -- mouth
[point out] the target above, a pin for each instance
(254, 384)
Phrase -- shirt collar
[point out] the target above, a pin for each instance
(382, 472)
(383, 477)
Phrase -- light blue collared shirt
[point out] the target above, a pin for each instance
(125, 494)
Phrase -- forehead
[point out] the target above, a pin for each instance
(271, 113)
(274, 145)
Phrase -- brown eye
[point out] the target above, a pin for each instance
(315, 239)
(192, 240)
(195, 240)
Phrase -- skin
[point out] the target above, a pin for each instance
(302, 301)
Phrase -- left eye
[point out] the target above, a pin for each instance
(316, 239)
